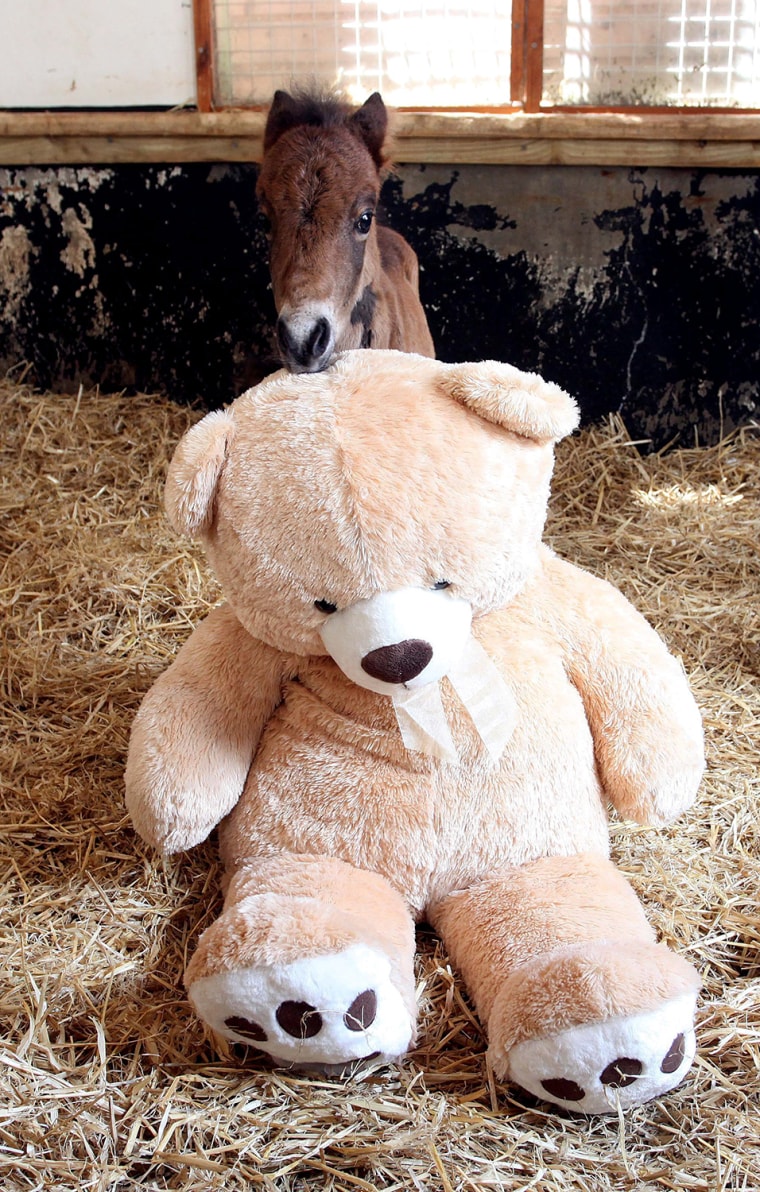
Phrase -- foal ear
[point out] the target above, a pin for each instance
(370, 124)
(194, 473)
(521, 402)
(283, 114)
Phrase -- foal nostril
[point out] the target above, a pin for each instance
(304, 350)
(319, 340)
(285, 341)
(398, 663)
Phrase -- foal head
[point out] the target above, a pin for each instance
(318, 186)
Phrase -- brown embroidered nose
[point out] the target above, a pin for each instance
(398, 663)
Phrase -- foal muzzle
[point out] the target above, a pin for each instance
(306, 340)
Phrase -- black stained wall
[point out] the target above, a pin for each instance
(638, 290)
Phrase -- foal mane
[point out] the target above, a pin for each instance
(321, 109)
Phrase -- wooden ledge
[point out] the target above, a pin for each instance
(707, 139)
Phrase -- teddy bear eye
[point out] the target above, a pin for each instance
(441, 584)
(325, 606)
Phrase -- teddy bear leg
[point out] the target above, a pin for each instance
(311, 961)
(583, 1007)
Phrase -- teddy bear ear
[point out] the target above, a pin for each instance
(519, 401)
(194, 471)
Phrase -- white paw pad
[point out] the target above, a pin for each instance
(625, 1061)
(325, 1010)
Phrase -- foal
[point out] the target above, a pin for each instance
(340, 279)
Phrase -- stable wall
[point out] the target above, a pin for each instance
(638, 289)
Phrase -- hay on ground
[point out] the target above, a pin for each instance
(108, 1081)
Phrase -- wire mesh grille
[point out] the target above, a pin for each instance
(678, 52)
(441, 54)
(599, 52)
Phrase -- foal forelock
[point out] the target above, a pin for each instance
(314, 201)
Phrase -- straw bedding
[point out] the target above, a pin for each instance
(108, 1082)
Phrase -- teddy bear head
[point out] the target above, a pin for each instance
(372, 510)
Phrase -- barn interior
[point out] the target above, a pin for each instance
(612, 247)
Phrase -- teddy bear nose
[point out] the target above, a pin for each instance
(398, 663)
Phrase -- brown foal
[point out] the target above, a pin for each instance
(340, 279)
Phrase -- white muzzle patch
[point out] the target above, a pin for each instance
(400, 644)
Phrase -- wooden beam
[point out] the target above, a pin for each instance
(567, 138)
(534, 55)
(450, 125)
(203, 26)
(113, 150)
(572, 152)
(591, 126)
(517, 57)
(104, 151)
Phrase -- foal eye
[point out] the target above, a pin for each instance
(364, 222)
(325, 606)
(442, 583)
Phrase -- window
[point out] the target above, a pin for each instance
(417, 54)
(652, 52)
(490, 54)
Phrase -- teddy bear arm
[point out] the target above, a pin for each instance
(195, 733)
(644, 720)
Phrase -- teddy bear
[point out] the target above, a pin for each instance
(409, 708)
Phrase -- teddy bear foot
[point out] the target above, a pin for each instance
(323, 1013)
(624, 1061)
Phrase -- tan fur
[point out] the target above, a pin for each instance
(189, 750)
(518, 401)
(540, 948)
(196, 468)
(273, 906)
(391, 471)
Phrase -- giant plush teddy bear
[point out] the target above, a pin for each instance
(409, 709)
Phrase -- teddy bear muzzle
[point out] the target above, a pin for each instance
(407, 638)
(400, 644)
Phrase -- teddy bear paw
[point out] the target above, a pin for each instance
(624, 1061)
(324, 1012)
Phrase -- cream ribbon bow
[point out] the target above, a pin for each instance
(484, 694)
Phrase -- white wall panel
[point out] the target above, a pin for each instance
(96, 53)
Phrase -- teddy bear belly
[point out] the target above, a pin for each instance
(322, 785)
